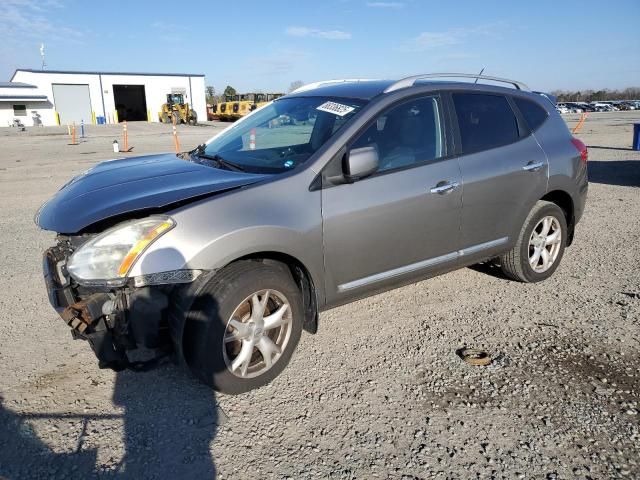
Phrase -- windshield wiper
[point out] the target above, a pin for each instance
(220, 161)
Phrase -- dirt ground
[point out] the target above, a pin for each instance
(379, 392)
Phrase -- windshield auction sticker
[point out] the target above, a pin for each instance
(335, 108)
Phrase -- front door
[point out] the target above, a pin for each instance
(404, 220)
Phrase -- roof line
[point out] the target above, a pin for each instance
(80, 72)
(410, 81)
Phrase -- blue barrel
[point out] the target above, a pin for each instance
(636, 136)
(100, 120)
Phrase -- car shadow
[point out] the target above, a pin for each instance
(489, 268)
(625, 173)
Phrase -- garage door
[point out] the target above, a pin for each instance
(72, 102)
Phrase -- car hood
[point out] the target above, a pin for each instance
(126, 185)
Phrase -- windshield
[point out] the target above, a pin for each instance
(282, 135)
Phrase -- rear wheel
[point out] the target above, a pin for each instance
(166, 118)
(540, 245)
(245, 325)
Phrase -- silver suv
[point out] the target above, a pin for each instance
(340, 190)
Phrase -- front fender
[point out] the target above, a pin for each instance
(281, 217)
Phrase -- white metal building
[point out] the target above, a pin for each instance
(84, 96)
(23, 102)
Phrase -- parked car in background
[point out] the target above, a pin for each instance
(586, 107)
(226, 253)
(625, 106)
(604, 107)
(562, 108)
(574, 107)
(600, 107)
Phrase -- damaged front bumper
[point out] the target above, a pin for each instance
(113, 320)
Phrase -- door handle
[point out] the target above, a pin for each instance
(445, 188)
(533, 166)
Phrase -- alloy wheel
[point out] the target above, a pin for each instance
(544, 244)
(257, 333)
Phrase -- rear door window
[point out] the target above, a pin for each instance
(533, 113)
(485, 121)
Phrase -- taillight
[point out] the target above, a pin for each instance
(582, 148)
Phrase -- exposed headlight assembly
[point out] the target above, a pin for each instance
(108, 258)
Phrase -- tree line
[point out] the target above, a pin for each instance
(631, 93)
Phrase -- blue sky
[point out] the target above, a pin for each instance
(265, 45)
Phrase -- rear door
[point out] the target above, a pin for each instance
(404, 220)
(503, 168)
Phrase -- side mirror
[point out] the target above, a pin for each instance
(360, 163)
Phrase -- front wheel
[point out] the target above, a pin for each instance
(540, 245)
(244, 326)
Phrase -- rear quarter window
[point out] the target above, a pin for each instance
(533, 113)
(485, 121)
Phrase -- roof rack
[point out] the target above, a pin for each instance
(410, 81)
(311, 86)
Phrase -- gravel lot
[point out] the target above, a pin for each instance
(379, 392)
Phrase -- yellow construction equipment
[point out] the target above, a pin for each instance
(225, 109)
(241, 106)
(177, 111)
(250, 101)
(237, 106)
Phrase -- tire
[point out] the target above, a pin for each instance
(210, 316)
(176, 118)
(193, 118)
(166, 118)
(516, 265)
